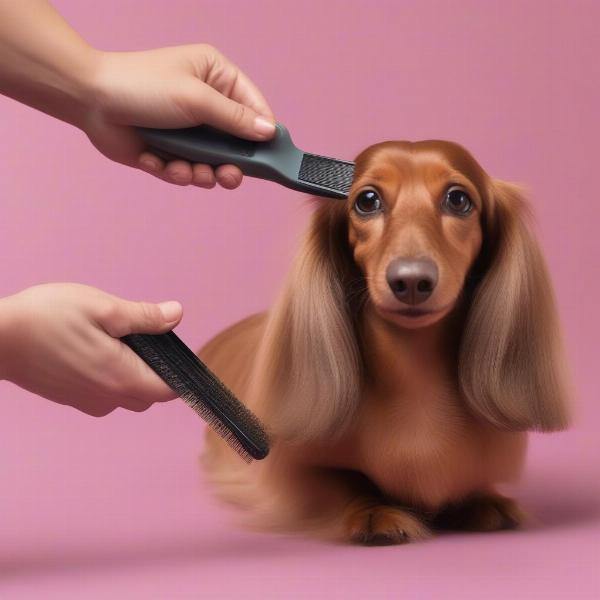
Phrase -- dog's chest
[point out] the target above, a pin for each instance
(424, 448)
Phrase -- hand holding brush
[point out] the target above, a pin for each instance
(69, 343)
(60, 341)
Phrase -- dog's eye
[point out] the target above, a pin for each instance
(457, 201)
(367, 202)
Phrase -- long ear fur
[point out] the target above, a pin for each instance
(309, 358)
(511, 367)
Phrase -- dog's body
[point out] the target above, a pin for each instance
(410, 350)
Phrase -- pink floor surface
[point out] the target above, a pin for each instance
(148, 528)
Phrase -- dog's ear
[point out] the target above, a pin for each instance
(511, 367)
(309, 359)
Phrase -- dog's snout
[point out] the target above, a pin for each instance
(412, 279)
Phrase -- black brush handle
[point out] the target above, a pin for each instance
(276, 159)
(203, 144)
(193, 381)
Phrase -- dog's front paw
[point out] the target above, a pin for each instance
(383, 525)
(486, 512)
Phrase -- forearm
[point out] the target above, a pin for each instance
(43, 62)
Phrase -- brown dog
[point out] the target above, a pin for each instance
(415, 342)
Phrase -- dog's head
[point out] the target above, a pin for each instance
(424, 231)
(415, 227)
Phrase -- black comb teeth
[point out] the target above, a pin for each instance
(327, 172)
(193, 382)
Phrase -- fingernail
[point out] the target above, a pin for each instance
(170, 310)
(263, 126)
(149, 165)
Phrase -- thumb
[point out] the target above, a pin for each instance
(233, 117)
(145, 317)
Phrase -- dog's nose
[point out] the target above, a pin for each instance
(412, 279)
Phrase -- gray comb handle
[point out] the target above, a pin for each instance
(277, 160)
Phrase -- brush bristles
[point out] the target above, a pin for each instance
(194, 383)
(216, 425)
(327, 172)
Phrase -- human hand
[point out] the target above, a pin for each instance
(179, 86)
(46, 64)
(60, 341)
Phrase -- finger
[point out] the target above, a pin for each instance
(139, 405)
(203, 176)
(150, 163)
(227, 78)
(246, 92)
(162, 174)
(207, 105)
(139, 385)
(124, 317)
(146, 317)
(228, 176)
(178, 172)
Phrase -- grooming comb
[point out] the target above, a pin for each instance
(193, 382)
(276, 160)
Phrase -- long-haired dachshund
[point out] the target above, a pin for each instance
(414, 344)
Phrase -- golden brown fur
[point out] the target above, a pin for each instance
(386, 426)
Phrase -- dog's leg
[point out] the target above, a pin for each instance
(354, 510)
(344, 506)
(371, 522)
(485, 511)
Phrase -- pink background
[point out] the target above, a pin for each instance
(115, 507)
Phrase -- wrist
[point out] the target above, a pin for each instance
(80, 85)
(95, 89)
